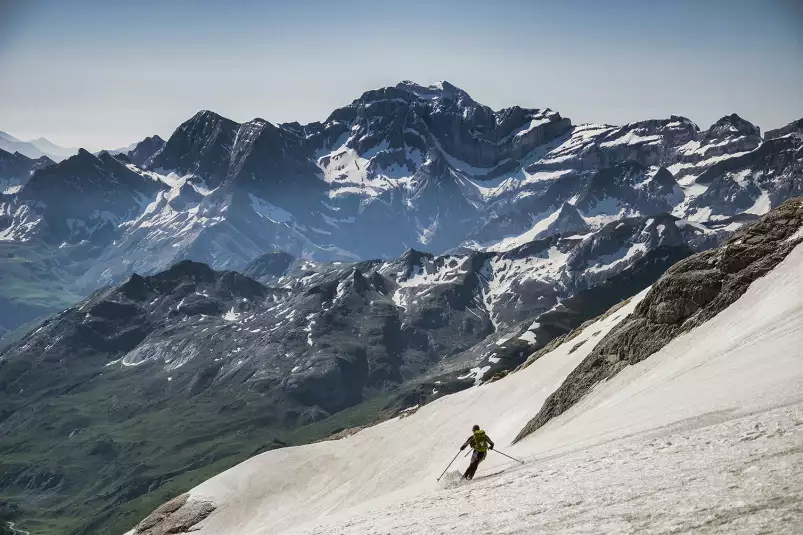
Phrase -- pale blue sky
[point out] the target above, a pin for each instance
(106, 73)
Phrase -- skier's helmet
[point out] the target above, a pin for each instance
(475, 428)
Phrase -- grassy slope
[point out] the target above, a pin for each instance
(31, 286)
(95, 482)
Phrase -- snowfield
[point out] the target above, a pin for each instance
(705, 436)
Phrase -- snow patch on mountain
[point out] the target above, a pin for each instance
(269, 211)
(533, 234)
(611, 261)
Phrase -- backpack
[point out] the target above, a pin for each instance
(480, 441)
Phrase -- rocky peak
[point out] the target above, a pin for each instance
(146, 149)
(357, 281)
(731, 126)
(42, 162)
(105, 157)
(729, 136)
(411, 92)
(265, 159)
(135, 288)
(6, 156)
(201, 146)
(234, 284)
(186, 197)
(83, 156)
(206, 116)
(435, 119)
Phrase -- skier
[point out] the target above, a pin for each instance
(479, 442)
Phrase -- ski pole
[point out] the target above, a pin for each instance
(450, 464)
(508, 456)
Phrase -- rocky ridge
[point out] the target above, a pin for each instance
(414, 166)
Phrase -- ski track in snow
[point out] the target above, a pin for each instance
(705, 436)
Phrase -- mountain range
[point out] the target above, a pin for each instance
(35, 148)
(240, 287)
(400, 167)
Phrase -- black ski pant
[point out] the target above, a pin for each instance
(476, 458)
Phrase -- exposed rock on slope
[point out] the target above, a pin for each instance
(690, 293)
(178, 515)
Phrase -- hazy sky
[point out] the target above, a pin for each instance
(106, 73)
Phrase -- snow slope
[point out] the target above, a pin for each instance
(705, 435)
